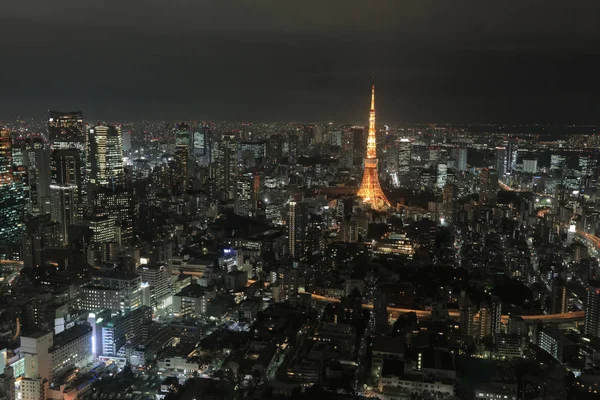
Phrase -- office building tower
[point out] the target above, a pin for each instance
(67, 135)
(201, 143)
(297, 229)
(530, 166)
(37, 372)
(588, 164)
(118, 292)
(182, 158)
(511, 154)
(558, 162)
(256, 150)
(126, 140)
(404, 157)
(64, 209)
(66, 189)
(592, 310)
(559, 299)
(71, 348)
(358, 142)
(41, 234)
(158, 278)
(36, 158)
(391, 160)
(435, 153)
(449, 197)
(441, 175)
(12, 197)
(247, 186)
(485, 320)
(370, 189)
(488, 193)
(116, 204)
(461, 159)
(66, 129)
(105, 156)
(6, 161)
(113, 332)
(500, 161)
(228, 165)
(496, 315)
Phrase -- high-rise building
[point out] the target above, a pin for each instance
(592, 310)
(12, 196)
(441, 175)
(558, 162)
(66, 129)
(297, 229)
(201, 143)
(358, 140)
(435, 153)
(182, 158)
(511, 154)
(461, 159)
(488, 193)
(6, 169)
(115, 203)
(587, 164)
(247, 186)
(370, 190)
(117, 292)
(449, 195)
(158, 277)
(36, 158)
(66, 189)
(404, 157)
(530, 166)
(68, 141)
(500, 163)
(105, 156)
(559, 300)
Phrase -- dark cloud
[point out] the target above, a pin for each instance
(432, 60)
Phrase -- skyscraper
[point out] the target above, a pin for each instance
(244, 194)
(6, 175)
(105, 156)
(511, 155)
(592, 310)
(66, 129)
(370, 190)
(559, 300)
(404, 157)
(12, 196)
(297, 229)
(461, 160)
(66, 189)
(182, 157)
(37, 162)
(500, 161)
(488, 193)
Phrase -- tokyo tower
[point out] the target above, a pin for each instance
(370, 189)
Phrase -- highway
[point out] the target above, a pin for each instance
(564, 317)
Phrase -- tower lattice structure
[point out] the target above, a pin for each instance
(370, 189)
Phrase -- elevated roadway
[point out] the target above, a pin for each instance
(555, 318)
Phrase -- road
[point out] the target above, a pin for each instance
(564, 317)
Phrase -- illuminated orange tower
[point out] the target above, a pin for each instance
(370, 189)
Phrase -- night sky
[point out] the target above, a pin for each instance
(267, 60)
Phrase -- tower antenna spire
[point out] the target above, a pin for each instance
(370, 189)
